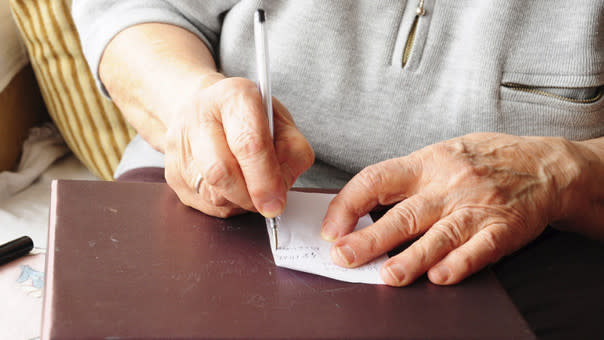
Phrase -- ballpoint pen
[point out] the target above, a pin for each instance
(264, 86)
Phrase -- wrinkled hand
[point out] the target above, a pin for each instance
(222, 133)
(470, 200)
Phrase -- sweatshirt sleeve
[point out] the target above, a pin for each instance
(98, 21)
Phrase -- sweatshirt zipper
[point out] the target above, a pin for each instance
(419, 12)
(541, 91)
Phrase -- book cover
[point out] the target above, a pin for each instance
(129, 261)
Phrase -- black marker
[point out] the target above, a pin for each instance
(15, 249)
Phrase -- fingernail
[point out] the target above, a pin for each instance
(328, 232)
(440, 274)
(272, 208)
(346, 254)
(397, 272)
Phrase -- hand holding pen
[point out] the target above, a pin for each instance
(264, 86)
(220, 157)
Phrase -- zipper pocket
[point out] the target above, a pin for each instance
(543, 92)
(419, 12)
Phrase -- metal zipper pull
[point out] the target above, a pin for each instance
(419, 12)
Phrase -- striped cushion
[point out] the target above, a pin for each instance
(92, 125)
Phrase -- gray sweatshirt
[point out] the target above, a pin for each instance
(371, 80)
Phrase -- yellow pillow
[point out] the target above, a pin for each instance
(91, 124)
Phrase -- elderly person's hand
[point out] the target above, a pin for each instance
(220, 158)
(468, 201)
(221, 134)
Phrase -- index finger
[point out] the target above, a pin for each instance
(249, 139)
(384, 183)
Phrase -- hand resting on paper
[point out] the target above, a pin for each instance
(470, 200)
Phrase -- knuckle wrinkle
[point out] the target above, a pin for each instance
(406, 221)
(218, 174)
(248, 145)
(371, 178)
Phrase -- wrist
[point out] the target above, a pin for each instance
(580, 170)
(594, 147)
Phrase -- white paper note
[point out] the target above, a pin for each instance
(302, 248)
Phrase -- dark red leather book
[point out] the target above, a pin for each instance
(129, 261)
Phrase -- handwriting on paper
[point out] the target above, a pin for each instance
(302, 248)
